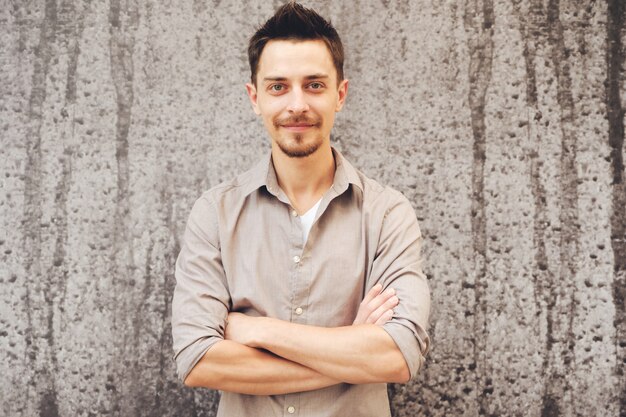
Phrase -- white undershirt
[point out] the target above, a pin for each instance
(307, 221)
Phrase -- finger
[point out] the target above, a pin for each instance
(366, 307)
(364, 311)
(387, 305)
(372, 293)
(380, 299)
(386, 316)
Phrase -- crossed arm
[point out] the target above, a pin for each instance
(265, 356)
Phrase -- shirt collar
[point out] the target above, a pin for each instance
(345, 174)
(263, 174)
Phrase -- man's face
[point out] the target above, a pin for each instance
(297, 94)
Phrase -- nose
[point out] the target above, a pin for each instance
(297, 102)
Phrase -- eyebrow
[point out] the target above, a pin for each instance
(308, 77)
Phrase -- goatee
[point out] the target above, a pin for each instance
(300, 151)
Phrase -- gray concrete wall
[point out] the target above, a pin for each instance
(501, 120)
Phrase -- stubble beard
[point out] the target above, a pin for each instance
(295, 146)
(300, 150)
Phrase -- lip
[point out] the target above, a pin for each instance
(297, 127)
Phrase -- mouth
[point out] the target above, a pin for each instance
(297, 127)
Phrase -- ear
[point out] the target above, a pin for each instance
(342, 93)
(251, 89)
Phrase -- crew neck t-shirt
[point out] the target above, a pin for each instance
(307, 221)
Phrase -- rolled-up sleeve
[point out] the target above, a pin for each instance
(398, 264)
(201, 298)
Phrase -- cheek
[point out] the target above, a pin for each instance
(329, 115)
(270, 111)
(268, 121)
(325, 109)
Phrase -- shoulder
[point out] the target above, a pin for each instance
(210, 208)
(237, 188)
(219, 199)
(386, 209)
(380, 197)
(373, 193)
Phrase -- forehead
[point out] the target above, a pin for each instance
(295, 58)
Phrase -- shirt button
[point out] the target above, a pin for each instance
(299, 311)
(294, 213)
(296, 259)
(291, 409)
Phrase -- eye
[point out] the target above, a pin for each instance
(276, 88)
(316, 85)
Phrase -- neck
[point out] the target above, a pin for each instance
(304, 180)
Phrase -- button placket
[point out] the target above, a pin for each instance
(299, 266)
(291, 406)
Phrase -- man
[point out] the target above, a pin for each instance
(299, 284)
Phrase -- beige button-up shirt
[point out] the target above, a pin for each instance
(243, 251)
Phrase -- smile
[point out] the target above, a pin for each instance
(297, 127)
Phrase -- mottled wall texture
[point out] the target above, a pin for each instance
(502, 121)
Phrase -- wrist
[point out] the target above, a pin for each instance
(262, 328)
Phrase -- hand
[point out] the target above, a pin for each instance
(377, 307)
(240, 328)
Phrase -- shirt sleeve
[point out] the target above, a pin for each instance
(201, 298)
(398, 264)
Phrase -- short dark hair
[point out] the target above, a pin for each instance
(293, 21)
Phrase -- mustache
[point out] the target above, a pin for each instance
(296, 120)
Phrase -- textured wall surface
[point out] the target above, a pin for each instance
(501, 120)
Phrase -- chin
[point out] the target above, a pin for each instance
(299, 149)
(299, 152)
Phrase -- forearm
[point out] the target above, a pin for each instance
(355, 354)
(230, 366)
